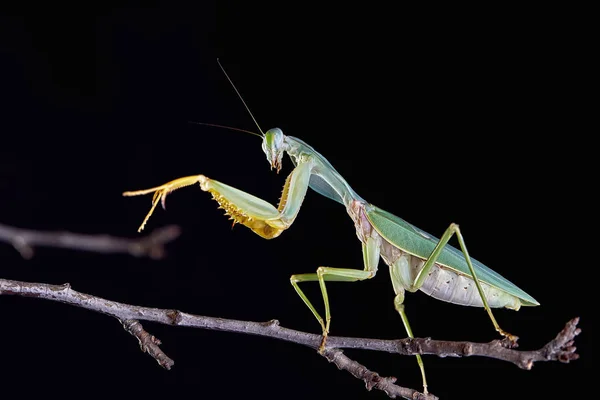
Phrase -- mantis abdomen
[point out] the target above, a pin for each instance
(442, 283)
(448, 285)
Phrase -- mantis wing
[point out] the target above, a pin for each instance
(416, 242)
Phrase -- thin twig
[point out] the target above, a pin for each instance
(152, 245)
(559, 349)
(372, 379)
(148, 343)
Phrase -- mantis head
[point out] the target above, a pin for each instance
(274, 145)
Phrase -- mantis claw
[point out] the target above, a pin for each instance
(323, 341)
(325, 333)
(163, 200)
(509, 341)
(161, 192)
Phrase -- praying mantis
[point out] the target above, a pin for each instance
(417, 260)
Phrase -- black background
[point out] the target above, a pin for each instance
(437, 115)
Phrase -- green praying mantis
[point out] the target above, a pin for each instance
(417, 260)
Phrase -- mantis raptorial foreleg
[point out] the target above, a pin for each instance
(261, 217)
(453, 229)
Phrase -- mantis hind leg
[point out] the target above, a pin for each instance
(453, 229)
(327, 274)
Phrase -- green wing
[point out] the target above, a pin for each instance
(414, 241)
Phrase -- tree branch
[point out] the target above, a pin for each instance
(559, 349)
(152, 245)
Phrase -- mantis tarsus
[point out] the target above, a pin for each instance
(417, 260)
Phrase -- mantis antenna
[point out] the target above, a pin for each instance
(240, 96)
(226, 127)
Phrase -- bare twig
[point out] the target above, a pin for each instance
(372, 379)
(151, 245)
(148, 343)
(559, 349)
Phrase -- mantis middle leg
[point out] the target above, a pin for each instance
(371, 253)
(327, 274)
(349, 275)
